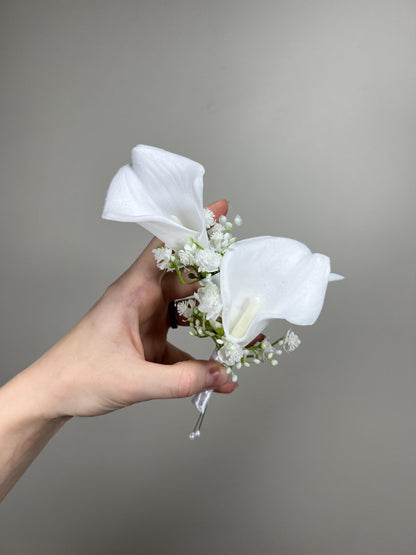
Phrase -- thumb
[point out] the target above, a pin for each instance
(182, 379)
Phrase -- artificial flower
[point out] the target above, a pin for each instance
(264, 278)
(185, 308)
(162, 192)
(230, 353)
(291, 341)
(187, 255)
(163, 257)
(209, 300)
(208, 260)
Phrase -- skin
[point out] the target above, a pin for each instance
(117, 355)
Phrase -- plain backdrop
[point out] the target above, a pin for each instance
(303, 114)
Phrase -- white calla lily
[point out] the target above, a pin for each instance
(162, 192)
(264, 278)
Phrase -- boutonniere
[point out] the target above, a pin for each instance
(243, 284)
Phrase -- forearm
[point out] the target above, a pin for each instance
(25, 428)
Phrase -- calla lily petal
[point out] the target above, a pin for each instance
(162, 192)
(335, 277)
(268, 278)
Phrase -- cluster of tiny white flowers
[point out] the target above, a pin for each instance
(230, 353)
(209, 300)
(220, 237)
(185, 308)
(200, 262)
(267, 351)
(291, 341)
(209, 218)
(163, 256)
(187, 254)
(207, 260)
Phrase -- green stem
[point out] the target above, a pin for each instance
(181, 278)
(280, 339)
(196, 244)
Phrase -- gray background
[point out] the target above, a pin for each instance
(303, 115)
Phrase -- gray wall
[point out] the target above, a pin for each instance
(303, 114)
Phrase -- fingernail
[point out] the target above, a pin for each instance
(217, 376)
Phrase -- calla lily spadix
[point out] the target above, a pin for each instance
(162, 192)
(264, 278)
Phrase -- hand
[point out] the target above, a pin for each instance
(115, 356)
(118, 353)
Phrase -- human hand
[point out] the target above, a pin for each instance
(115, 356)
(118, 353)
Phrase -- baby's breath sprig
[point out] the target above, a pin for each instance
(197, 261)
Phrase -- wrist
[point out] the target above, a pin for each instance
(25, 427)
(30, 399)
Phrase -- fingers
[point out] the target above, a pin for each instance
(142, 271)
(146, 262)
(174, 289)
(227, 388)
(182, 379)
(219, 208)
(173, 355)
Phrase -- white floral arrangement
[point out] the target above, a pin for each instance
(243, 285)
(203, 311)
